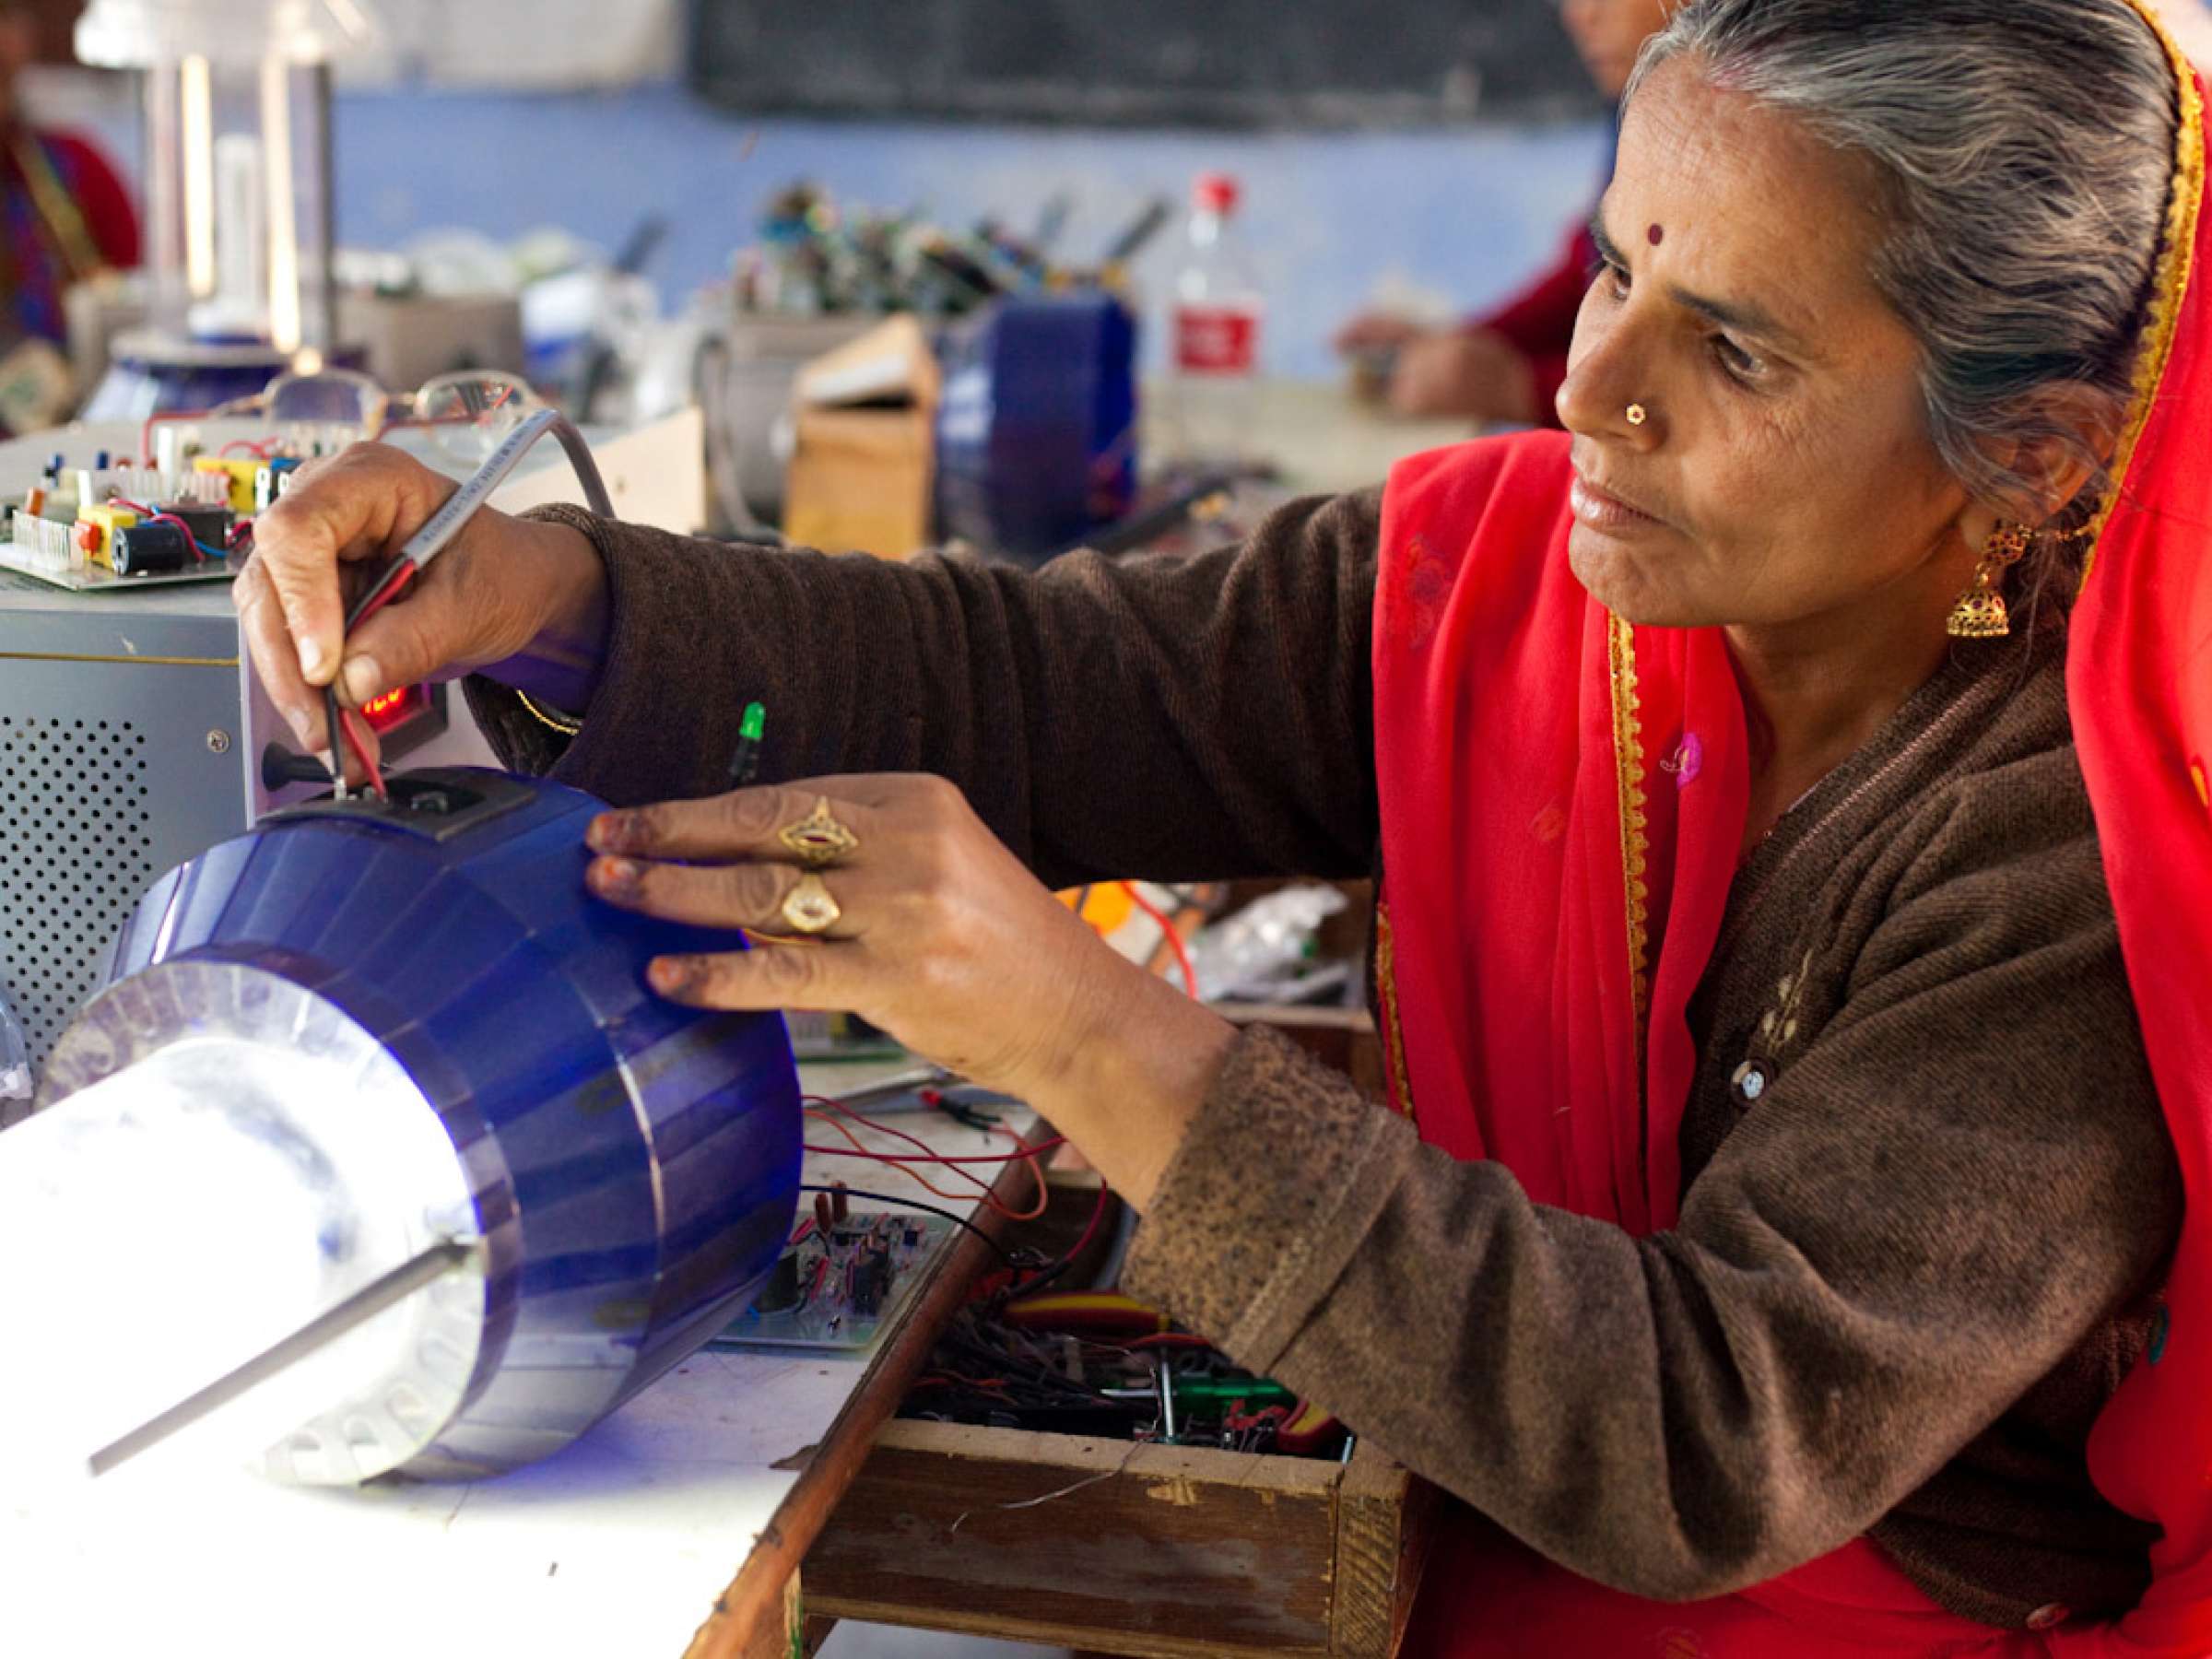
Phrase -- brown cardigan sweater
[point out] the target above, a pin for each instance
(1902, 1283)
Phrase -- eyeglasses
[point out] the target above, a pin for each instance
(467, 414)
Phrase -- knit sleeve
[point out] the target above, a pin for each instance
(1177, 718)
(1958, 1179)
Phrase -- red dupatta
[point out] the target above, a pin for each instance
(1562, 800)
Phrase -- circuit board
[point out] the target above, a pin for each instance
(832, 1292)
(90, 579)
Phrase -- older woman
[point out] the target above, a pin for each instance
(1795, 958)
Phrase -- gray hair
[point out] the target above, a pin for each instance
(2026, 152)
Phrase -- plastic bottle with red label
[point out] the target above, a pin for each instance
(1214, 322)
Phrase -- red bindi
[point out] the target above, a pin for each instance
(1656, 235)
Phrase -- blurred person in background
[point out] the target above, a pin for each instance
(1506, 366)
(68, 218)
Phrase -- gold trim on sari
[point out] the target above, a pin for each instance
(1635, 840)
(2170, 283)
(1386, 995)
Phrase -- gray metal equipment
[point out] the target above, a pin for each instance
(132, 739)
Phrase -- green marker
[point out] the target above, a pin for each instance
(746, 763)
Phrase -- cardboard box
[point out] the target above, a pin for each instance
(862, 473)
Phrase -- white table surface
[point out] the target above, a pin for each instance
(616, 1547)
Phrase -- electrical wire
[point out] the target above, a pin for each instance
(1174, 937)
(1044, 1193)
(930, 1155)
(1034, 1149)
(360, 746)
(961, 1221)
(1055, 1270)
(201, 550)
(915, 1176)
(437, 532)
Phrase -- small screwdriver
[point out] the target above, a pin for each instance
(744, 762)
(1213, 1390)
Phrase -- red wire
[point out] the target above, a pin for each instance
(1044, 1193)
(1183, 956)
(399, 578)
(146, 432)
(152, 517)
(919, 1178)
(868, 1122)
(261, 449)
(931, 1155)
(360, 752)
(1036, 1150)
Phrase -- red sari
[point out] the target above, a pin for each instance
(1520, 735)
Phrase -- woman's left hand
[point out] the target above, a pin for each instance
(943, 939)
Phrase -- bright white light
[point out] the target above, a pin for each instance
(198, 113)
(169, 1222)
(284, 218)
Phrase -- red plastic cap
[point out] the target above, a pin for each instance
(1215, 193)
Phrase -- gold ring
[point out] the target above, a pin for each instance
(818, 840)
(809, 908)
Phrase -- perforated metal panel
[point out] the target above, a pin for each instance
(77, 850)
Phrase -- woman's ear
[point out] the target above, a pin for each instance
(2080, 436)
(2076, 433)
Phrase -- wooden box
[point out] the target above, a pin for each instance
(1110, 1547)
(1117, 1547)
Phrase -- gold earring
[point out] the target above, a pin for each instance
(1980, 613)
(1637, 413)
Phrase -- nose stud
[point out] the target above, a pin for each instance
(1637, 413)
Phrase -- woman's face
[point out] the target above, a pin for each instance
(1609, 33)
(1784, 472)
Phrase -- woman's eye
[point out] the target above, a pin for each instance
(1733, 358)
(1615, 280)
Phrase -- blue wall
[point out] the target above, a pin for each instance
(1469, 213)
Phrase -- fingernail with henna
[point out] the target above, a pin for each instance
(617, 878)
(668, 976)
(617, 832)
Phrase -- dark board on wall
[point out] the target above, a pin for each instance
(1213, 63)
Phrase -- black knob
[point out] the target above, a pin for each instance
(281, 768)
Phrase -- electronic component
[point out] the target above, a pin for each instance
(272, 479)
(238, 470)
(150, 549)
(105, 483)
(96, 528)
(210, 527)
(1099, 1363)
(838, 1281)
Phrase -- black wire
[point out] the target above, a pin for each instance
(338, 738)
(384, 580)
(915, 1204)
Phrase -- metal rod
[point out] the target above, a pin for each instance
(326, 1328)
(1167, 1400)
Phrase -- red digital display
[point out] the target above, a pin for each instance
(396, 708)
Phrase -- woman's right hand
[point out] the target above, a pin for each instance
(501, 587)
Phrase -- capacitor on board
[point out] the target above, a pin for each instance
(151, 549)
